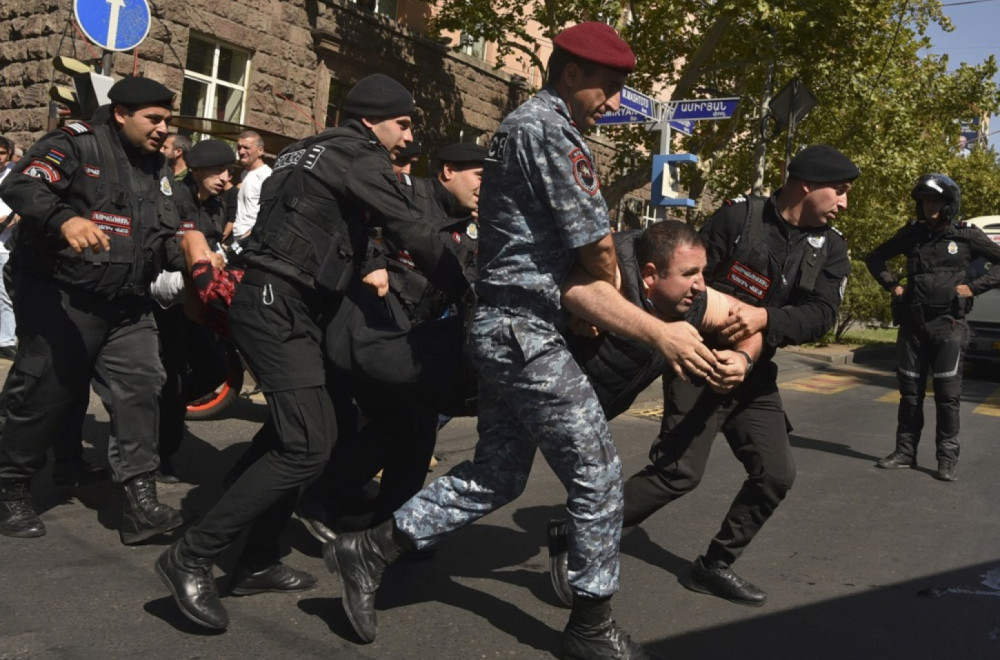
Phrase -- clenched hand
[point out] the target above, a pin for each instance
(743, 320)
(81, 234)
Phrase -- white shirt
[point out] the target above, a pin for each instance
(249, 200)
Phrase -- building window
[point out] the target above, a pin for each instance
(472, 46)
(384, 7)
(215, 81)
(334, 102)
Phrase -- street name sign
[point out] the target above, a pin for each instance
(702, 109)
(636, 108)
(113, 24)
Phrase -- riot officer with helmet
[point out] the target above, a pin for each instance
(930, 309)
(98, 223)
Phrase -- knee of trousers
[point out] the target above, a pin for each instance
(947, 389)
(775, 481)
(909, 386)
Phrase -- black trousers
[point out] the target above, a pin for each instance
(66, 338)
(275, 328)
(936, 348)
(753, 421)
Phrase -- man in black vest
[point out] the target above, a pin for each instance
(98, 223)
(325, 201)
(785, 263)
(930, 309)
(187, 346)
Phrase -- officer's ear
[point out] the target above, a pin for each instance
(447, 171)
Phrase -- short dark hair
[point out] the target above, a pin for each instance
(560, 59)
(183, 143)
(7, 144)
(658, 241)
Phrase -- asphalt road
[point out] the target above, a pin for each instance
(858, 562)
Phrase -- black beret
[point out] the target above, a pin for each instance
(140, 91)
(210, 153)
(462, 152)
(821, 163)
(379, 95)
(412, 150)
(599, 43)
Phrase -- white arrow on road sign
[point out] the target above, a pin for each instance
(113, 24)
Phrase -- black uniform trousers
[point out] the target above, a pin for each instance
(66, 337)
(753, 421)
(936, 348)
(277, 330)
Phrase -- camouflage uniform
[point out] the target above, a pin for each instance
(540, 201)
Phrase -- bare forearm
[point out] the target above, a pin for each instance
(600, 261)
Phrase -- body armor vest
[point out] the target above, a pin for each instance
(129, 205)
(300, 234)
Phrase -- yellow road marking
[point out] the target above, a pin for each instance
(823, 384)
(990, 406)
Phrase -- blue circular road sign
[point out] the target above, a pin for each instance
(113, 24)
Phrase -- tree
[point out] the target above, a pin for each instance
(882, 99)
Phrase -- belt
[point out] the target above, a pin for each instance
(263, 278)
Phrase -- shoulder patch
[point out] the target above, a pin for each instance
(165, 186)
(39, 169)
(583, 171)
(497, 148)
(77, 128)
(837, 232)
(739, 199)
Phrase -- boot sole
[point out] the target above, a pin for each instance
(697, 588)
(173, 592)
(29, 534)
(131, 538)
(333, 565)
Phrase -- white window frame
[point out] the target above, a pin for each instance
(214, 82)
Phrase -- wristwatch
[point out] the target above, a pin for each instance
(749, 359)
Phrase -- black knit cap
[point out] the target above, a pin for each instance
(412, 150)
(379, 95)
(821, 163)
(140, 91)
(210, 153)
(462, 152)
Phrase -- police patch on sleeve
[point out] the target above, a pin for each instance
(583, 172)
(497, 148)
(165, 187)
(39, 169)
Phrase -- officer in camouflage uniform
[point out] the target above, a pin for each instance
(99, 222)
(540, 210)
(930, 309)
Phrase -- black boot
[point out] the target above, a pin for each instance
(143, 515)
(191, 583)
(17, 517)
(360, 559)
(559, 562)
(592, 634)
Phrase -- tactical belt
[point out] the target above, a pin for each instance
(277, 283)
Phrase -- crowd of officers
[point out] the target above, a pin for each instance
(362, 289)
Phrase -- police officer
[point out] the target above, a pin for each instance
(98, 223)
(540, 211)
(781, 258)
(319, 209)
(187, 347)
(400, 430)
(930, 310)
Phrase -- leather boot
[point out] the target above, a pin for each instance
(360, 558)
(559, 562)
(193, 587)
(17, 517)
(143, 516)
(592, 634)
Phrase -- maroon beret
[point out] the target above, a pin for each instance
(599, 43)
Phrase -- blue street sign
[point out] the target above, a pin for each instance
(702, 109)
(638, 102)
(685, 126)
(113, 24)
(636, 108)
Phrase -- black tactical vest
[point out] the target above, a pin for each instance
(132, 205)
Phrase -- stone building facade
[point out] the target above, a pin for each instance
(283, 66)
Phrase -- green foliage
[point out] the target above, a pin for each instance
(865, 302)
(882, 99)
